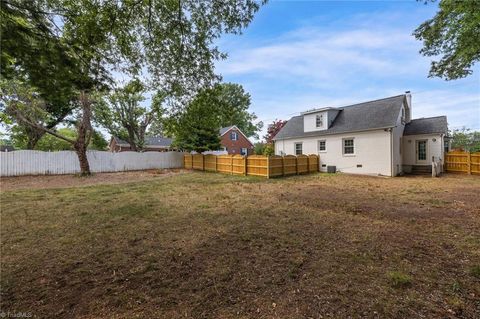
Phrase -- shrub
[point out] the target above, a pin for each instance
(399, 279)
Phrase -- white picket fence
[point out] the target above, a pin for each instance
(27, 162)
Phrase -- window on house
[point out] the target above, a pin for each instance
(233, 136)
(298, 149)
(322, 146)
(319, 120)
(243, 151)
(446, 146)
(348, 146)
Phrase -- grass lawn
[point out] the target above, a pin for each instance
(204, 245)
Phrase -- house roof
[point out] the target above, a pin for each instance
(224, 130)
(428, 125)
(154, 141)
(377, 114)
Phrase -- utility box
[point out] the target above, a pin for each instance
(331, 169)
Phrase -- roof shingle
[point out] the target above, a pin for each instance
(428, 125)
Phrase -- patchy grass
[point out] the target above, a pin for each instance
(198, 245)
(399, 279)
(475, 271)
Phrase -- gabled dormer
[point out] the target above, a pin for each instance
(319, 119)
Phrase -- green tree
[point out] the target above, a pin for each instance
(258, 148)
(228, 104)
(454, 35)
(196, 129)
(51, 143)
(465, 139)
(98, 143)
(233, 103)
(122, 114)
(269, 150)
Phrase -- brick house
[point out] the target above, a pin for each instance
(152, 144)
(234, 141)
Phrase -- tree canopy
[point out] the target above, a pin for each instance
(273, 130)
(196, 129)
(220, 106)
(465, 139)
(453, 34)
(122, 114)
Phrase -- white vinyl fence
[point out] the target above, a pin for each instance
(29, 162)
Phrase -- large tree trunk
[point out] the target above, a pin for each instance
(81, 150)
(84, 133)
(131, 140)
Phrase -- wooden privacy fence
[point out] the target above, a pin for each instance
(255, 165)
(462, 162)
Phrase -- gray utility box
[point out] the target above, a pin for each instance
(331, 169)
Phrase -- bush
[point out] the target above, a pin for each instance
(399, 279)
(268, 150)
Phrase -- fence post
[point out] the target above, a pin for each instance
(296, 164)
(469, 163)
(268, 166)
(283, 165)
(216, 170)
(231, 165)
(245, 165)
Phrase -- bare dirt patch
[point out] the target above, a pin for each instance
(64, 181)
(206, 245)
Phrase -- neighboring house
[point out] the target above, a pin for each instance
(234, 141)
(6, 148)
(377, 137)
(152, 144)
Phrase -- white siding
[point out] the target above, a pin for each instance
(433, 148)
(310, 122)
(372, 151)
(29, 162)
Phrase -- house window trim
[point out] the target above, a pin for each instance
(246, 151)
(232, 134)
(318, 146)
(295, 148)
(319, 120)
(343, 147)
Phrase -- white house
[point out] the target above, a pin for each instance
(376, 137)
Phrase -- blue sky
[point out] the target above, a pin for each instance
(298, 55)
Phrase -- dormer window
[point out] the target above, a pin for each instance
(319, 120)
